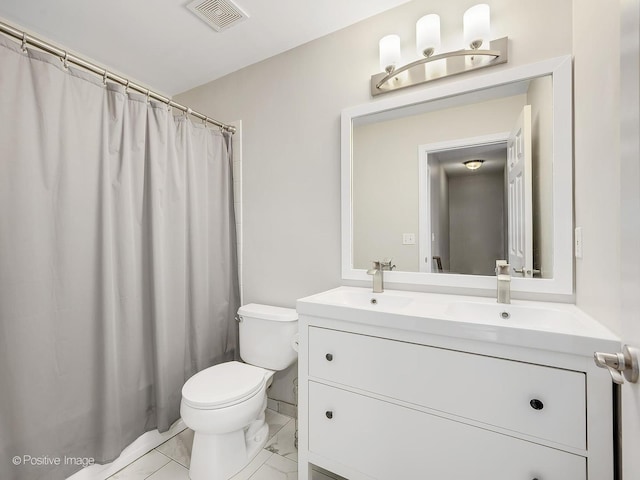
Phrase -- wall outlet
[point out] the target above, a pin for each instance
(578, 242)
(408, 238)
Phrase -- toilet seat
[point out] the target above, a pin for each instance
(223, 385)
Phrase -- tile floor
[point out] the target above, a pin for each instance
(277, 461)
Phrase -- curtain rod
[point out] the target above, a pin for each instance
(69, 58)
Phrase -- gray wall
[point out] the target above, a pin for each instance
(290, 107)
(476, 227)
(439, 199)
(597, 159)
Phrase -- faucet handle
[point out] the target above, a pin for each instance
(525, 271)
(386, 264)
(502, 267)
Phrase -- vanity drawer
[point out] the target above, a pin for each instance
(543, 402)
(363, 433)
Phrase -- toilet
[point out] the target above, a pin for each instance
(225, 404)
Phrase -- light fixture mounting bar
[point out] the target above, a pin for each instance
(453, 63)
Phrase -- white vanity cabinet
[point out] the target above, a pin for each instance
(386, 395)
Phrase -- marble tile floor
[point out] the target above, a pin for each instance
(277, 461)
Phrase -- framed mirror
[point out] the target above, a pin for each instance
(450, 178)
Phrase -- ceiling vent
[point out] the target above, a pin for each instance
(218, 14)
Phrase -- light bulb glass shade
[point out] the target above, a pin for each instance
(473, 164)
(428, 35)
(477, 26)
(389, 52)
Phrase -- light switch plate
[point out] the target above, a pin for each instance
(408, 238)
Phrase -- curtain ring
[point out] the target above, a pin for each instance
(104, 78)
(24, 42)
(188, 112)
(126, 87)
(148, 96)
(65, 62)
(205, 121)
(168, 104)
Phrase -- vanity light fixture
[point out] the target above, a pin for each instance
(389, 52)
(428, 35)
(477, 28)
(473, 164)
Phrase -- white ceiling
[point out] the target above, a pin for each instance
(162, 45)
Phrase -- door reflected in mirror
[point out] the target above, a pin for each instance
(415, 200)
(467, 222)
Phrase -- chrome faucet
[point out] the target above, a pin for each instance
(377, 268)
(504, 281)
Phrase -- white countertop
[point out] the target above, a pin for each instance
(550, 326)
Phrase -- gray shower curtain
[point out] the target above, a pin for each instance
(118, 268)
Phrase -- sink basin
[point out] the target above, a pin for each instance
(518, 315)
(541, 325)
(389, 300)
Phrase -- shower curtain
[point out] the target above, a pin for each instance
(118, 268)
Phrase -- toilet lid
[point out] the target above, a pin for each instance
(223, 385)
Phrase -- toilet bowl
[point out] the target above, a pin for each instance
(225, 404)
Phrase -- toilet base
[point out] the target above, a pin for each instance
(220, 456)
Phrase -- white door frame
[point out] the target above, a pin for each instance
(424, 210)
(629, 226)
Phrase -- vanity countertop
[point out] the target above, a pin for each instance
(544, 325)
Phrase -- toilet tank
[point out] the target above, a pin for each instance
(267, 335)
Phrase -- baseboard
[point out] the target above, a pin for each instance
(143, 444)
(286, 408)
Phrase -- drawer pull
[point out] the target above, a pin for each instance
(536, 405)
(329, 414)
(329, 356)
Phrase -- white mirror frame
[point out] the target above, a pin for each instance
(562, 281)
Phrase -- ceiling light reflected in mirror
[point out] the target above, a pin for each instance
(473, 164)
